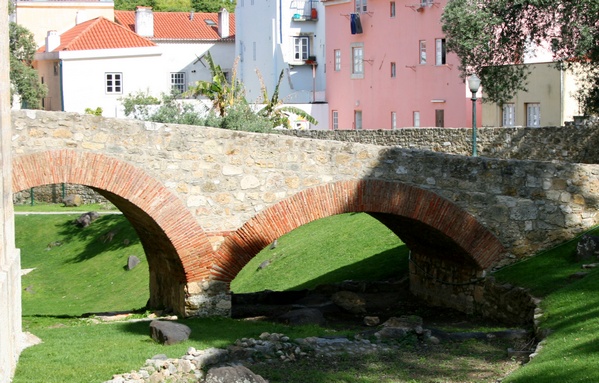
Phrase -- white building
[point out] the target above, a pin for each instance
(184, 38)
(96, 63)
(283, 35)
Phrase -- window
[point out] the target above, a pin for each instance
(393, 70)
(357, 68)
(533, 115)
(393, 120)
(56, 69)
(440, 52)
(426, 3)
(114, 83)
(392, 9)
(416, 119)
(335, 118)
(439, 118)
(509, 115)
(301, 48)
(422, 51)
(361, 6)
(178, 82)
(337, 60)
(358, 119)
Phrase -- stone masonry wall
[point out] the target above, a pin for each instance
(571, 144)
(54, 194)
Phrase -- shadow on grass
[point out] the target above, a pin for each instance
(107, 233)
(390, 264)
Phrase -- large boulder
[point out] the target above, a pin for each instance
(587, 247)
(85, 219)
(167, 332)
(350, 301)
(233, 374)
(72, 200)
(303, 316)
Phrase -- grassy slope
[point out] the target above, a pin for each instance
(84, 274)
(571, 312)
(346, 246)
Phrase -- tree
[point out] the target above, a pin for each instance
(220, 91)
(487, 35)
(212, 6)
(24, 80)
(274, 110)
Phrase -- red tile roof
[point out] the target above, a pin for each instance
(99, 33)
(180, 25)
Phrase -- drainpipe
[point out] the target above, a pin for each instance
(61, 85)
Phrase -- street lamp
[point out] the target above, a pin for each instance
(474, 84)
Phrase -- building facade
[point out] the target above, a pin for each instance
(387, 67)
(288, 36)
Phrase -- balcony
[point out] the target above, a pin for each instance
(303, 10)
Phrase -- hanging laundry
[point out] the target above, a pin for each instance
(355, 24)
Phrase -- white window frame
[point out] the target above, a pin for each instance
(508, 115)
(440, 52)
(178, 81)
(393, 70)
(533, 114)
(335, 119)
(358, 119)
(357, 67)
(337, 54)
(113, 82)
(422, 51)
(361, 6)
(393, 120)
(416, 119)
(301, 48)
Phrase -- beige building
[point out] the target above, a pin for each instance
(549, 101)
(43, 16)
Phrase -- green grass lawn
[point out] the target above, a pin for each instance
(85, 274)
(338, 248)
(75, 270)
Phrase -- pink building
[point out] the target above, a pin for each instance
(387, 67)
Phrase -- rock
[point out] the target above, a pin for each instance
(391, 333)
(234, 374)
(85, 219)
(73, 200)
(350, 301)
(587, 247)
(167, 332)
(132, 261)
(210, 357)
(371, 321)
(411, 322)
(264, 265)
(303, 316)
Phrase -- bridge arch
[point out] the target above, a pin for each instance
(448, 245)
(177, 248)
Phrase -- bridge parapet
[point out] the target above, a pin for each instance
(185, 184)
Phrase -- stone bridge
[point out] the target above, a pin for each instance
(204, 201)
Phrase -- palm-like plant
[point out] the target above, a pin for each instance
(274, 110)
(220, 91)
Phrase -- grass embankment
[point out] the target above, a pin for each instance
(90, 275)
(571, 313)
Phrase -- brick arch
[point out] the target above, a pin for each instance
(401, 207)
(177, 248)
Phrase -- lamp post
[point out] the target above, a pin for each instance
(474, 84)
